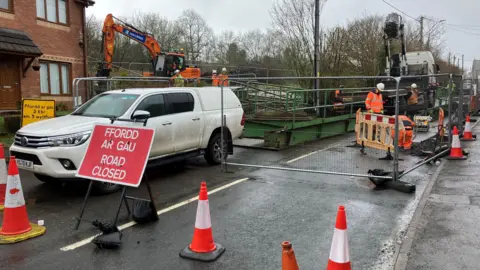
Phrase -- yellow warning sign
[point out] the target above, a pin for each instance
(34, 110)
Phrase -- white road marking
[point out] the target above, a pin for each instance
(163, 211)
(314, 152)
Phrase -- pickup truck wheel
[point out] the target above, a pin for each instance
(102, 188)
(46, 179)
(213, 154)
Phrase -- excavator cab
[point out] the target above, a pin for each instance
(166, 64)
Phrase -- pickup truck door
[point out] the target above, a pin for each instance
(187, 118)
(161, 121)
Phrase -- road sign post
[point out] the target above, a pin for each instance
(117, 155)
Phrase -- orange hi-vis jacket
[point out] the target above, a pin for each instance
(405, 137)
(413, 99)
(215, 80)
(223, 77)
(374, 102)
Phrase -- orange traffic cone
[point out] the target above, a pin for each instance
(203, 248)
(289, 262)
(3, 177)
(16, 227)
(467, 133)
(456, 151)
(339, 258)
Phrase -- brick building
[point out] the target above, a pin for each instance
(42, 48)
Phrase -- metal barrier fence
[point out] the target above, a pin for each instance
(285, 114)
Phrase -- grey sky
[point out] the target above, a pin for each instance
(251, 14)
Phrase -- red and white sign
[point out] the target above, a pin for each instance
(117, 154)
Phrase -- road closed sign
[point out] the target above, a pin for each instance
(117, 154)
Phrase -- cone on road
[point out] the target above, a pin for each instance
(456, 152)
(16, 227)
(3, 177)
(467, 133)
(339, 258)
(289, 262)
(202, 247)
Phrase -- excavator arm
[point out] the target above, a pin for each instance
(108, 42)
(162, 64)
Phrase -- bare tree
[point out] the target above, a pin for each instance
(222, 44)
(166, 32)
(253, 42)
(294, 21)
(196, 34)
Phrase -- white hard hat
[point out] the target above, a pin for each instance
(177, 71)
(381, 86)
(224, 69)
(414, 85)
(214, 71)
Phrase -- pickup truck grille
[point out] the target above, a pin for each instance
(31, 141)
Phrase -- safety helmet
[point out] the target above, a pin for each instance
(214, 71)
(380, 86)
(414, 85)
(177, 71)
(224, 69)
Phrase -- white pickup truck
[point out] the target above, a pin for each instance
(187, 123)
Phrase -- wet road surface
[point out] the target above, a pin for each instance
(250, 218)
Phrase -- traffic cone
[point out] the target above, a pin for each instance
(456, 152)
(339, 258)
(467, 132)
(202, 247)
(289, 262)
(16, 227)
(3, 177)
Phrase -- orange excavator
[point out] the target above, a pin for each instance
(164, 64)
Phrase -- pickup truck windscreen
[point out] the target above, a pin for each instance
(107, 105)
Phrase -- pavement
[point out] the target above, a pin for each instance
(253, 209)
(444, 231)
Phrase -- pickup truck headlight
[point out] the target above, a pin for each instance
(69, 140)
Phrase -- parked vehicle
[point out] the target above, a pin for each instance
(187, 123)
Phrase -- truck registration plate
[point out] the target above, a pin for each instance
(24, 164)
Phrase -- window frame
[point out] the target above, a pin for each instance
(69, 83)
(165, 104)
(10, 7)
(67, 10)
(170, 104)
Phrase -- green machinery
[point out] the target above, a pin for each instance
(285, 115)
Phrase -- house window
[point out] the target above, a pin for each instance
(6, 5)
(55, 11)
(54, 78)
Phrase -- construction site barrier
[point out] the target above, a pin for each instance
(376, 130)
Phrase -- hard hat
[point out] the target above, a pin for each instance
(214, 71)
(414, 85)
(224, 69)
(381, 86)
(177, 71)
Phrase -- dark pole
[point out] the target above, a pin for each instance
(316, 58)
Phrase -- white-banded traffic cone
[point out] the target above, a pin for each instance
(339, 258)
(456, 152)
(467, 132)
(15, 226)
(202, 247)
(3, 177)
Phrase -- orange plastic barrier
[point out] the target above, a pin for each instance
(374, 130)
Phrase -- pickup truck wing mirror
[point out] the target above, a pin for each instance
(140, 115)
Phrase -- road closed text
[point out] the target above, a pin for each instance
(108, 172)
(117, 154)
